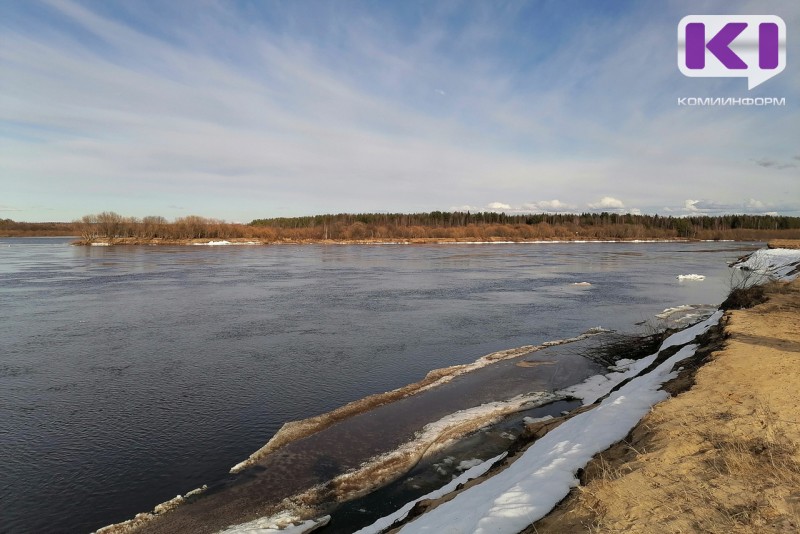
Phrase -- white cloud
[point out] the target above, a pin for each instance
(498, 206)
(751, 205)
(607, 203)
(549, 206)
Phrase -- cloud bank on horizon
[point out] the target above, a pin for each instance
(240, 110)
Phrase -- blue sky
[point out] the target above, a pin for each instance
(249, 109)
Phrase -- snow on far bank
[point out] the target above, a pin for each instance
(691, 277)
(526, 491)
(561, 241)
(226, 243)
(780, 263)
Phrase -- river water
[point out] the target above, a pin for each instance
(129, 375)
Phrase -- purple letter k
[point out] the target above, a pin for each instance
(718, 45)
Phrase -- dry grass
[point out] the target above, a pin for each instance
(721, 457)
(743, 484)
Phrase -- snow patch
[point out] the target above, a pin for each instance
(597, 386)
(385, 522)
(581, 284)
(779, 263)
(697, 277)
(466, 465)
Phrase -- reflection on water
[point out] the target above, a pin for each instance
(129, 375)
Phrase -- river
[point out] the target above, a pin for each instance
(129, 375)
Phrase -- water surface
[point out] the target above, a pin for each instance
(131, 374)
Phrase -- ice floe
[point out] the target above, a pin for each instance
(668, 312)
(532, 420)
(284, 523)
(697, 277)
(474, 472)
(680, 316)
(465, 465)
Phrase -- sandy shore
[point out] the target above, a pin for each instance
(723, 456)
(784, 243)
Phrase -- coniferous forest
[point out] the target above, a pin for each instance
(435, 225)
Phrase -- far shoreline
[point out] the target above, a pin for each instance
(129, 241)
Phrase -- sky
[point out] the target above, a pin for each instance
(239, 110)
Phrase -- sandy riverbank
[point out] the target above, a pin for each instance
(784, 243)
(723, 456)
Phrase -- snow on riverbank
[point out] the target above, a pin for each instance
(474, 472)
(778, 263)
(544, 474)
(594, 387)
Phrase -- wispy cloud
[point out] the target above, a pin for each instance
(774, 164)
(751, 205)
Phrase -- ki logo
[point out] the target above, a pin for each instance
(740, 46)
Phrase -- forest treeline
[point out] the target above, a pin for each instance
(10, 228)
(681, 226)
(431, 225)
